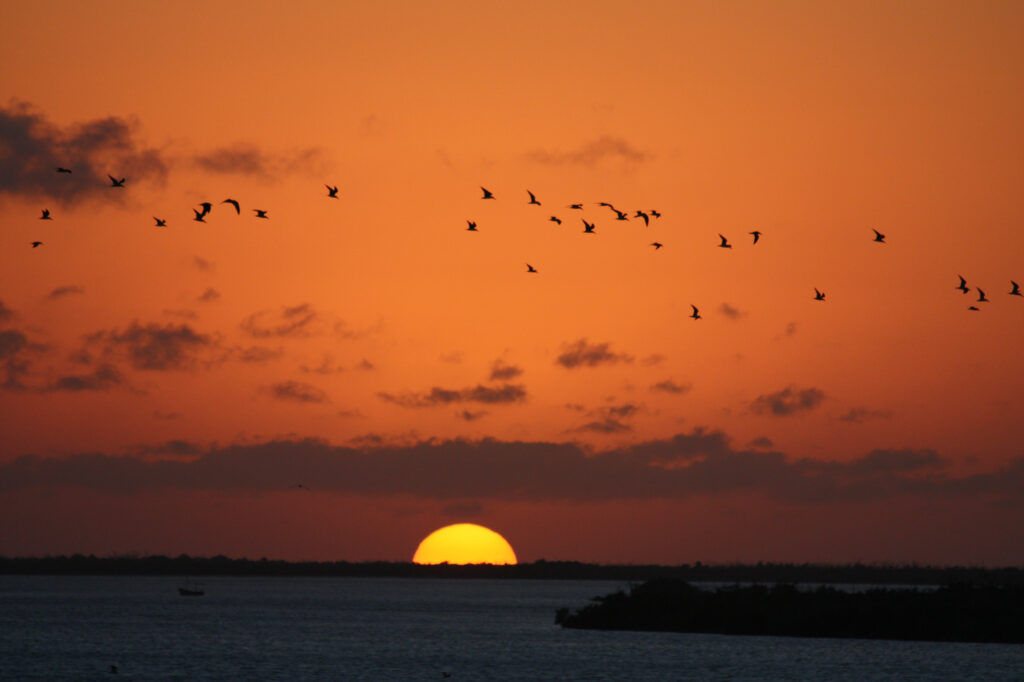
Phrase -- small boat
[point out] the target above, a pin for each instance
(192, 589)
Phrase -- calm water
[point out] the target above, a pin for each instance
(244, 629)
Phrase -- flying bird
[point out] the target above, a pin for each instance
(620, 215)
(332, 192)
(533, 199)
(647, 218)
(655, 214)
(588, 228)
(472, 226)
(696, 313)
(555, 219)
(238, 209)
(35, 244)
(487, 193)
(819, 295)
(725, 243)
(879, 237)
(757, 235)
(656, 245)
(114, 182)
(578, 207)
(530, 268)
(46, 215)
(199, 216)
(963, 285)
(63, 170)
(161, 223)
(260, 213)
(1016, 289)
(981, 297)
(973, 307)
(207, 207)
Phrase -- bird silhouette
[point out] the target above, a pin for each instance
(655, 214)
(260, 213)
(578, 207)
(487, 193)
(656, 245)
(161, 223)
(819, 295)
(199, 216)
(963, 285)
(1016, 289)
(555, 219)
(472, 226)
(207, 207)
(530, 268)
(757, 235)
(696, 313)
(63, 170)
(238, 209)
(114, 182)
(533, 199)
(879, 237)
(620, 215)
(725, 243)
(973, 307)
(36, 244)
(46, 215)
(588, 228)
(647, 218)
(981, 297)
(332, 192)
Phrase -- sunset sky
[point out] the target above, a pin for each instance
(166, 389)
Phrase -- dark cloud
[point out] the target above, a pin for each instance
(606, 147)
(32, 148)
(248, 159)
(610, 419)
(176, 447)
(688, 464)
(788, 401)
(297, 391)
(365, 364)
(258, 354)
(669, 386)
(731, 312)
(102, 378)
(155, 347)
(16, 354)
(201, 264)
(762, 442)
(66, 290)
(5, 312)
(209, 295)
(290, 322)
(491, 395)
(859, 415)
(326, 366)
(585, 354)
(502, 372)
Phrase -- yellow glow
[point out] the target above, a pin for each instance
(464, 543)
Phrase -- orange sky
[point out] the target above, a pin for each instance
(162, 389)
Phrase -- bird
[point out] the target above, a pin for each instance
(299, 485)
(199, 216)
(46, 215)
(207, 207)
(555, 219)
(605, 203)
(113, 670)
(588, 228)
(879, 237)
(533, 199)
(159, 222)
(63, 170)
(973, 307)
(656, 245)
(578, 207)
(696, 313)
(530, 268)
(1016, 289)
(647, 218)
(332, 192)
(981, 297)
(114, 182)
(963, 285)
(655, 214)
(757, 235)
(487, 193)
(260, 213)
(472, 226)
(238, 209)
(620, 215)
(725, 243)
(36, 244)
(819, 295)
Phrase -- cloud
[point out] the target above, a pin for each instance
(209, 295)
(291, 322)
(502, 372)
(761, 442)
(688, 464)
(731, 312)
(590, 154)
(103, 378)
(5, 312)
(201, 264)
(859, 415)
(788, 401)
(584, 354)
(490, 395)
(66, 290)
(154, 346)
(16, 353)
(471, 416)
(610, 419)
(248, 159)
(33, 148)
(327, 366)
(669, 386)
(258, 354)
(296, 391)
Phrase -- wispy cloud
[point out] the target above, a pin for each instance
(244, 158)
(104, 377)
(490, 395)
(296, 391)
(669, 386)
(502, 372)
(582, 353)
(209, 295)
(859, 415)
(788, 401)
(155, 347)
(592, 153)
(67, 290)
(291, 322)
(731, 312)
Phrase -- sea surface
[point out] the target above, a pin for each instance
(251, 629)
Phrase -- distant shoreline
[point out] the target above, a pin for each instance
(771, 573)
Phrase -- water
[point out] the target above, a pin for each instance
(250, 629)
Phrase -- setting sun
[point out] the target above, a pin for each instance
(464, 543)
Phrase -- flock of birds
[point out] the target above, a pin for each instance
(588, 228)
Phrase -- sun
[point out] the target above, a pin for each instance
(464, 543)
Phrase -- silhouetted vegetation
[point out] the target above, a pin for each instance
(958, 612)
(864, 574)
